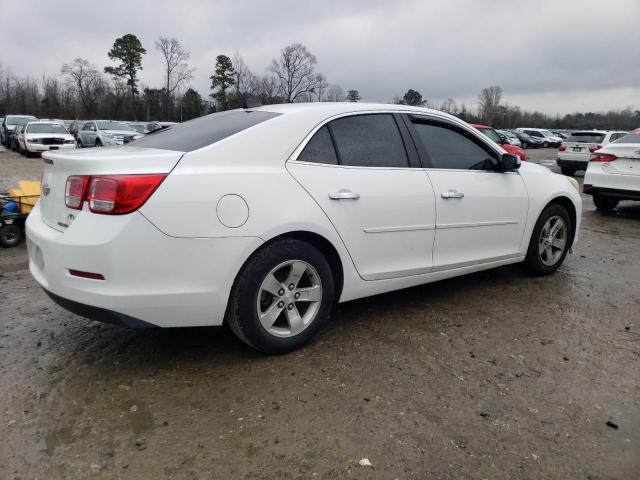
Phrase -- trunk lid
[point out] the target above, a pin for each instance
(628, 161)
(99, 161)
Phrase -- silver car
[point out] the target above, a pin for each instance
(106, 133)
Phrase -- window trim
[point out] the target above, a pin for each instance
(409, 147)
(475, 137)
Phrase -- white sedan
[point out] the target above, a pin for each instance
(613, 173)
(263, 218)
(43, 136)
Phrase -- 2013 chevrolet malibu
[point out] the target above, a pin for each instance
(264, 217)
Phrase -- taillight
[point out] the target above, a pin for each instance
(593, 149)
(74, 191)
(111, 194)
(119, 194)
(562, 148)
(603, 157)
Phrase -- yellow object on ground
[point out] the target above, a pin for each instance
(29, 189)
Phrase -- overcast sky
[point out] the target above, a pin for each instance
(553, 56)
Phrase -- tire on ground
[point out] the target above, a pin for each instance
(533, 264)
(242, 314)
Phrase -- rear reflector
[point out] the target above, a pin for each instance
(47, 161)
(603, 157)
(562, 148)
(90, 275)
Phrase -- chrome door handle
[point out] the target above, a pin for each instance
(452, 194)
(344, 195)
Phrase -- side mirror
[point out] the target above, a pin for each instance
(509, 162)
(503, 139)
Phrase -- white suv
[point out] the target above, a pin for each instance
(614, 172)
(576, 149)
(547, 138)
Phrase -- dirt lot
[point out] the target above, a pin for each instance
(489, 376)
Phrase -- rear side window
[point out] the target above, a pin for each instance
(319, 149)
(203, 131)
(448, 148)
(631, 137)
(369, 141)
(585, 137)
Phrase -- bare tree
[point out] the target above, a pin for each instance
(244, 78)
(294, 71)
(335, 93)
(86, 81)
(488, 103)
(177, 70)
(321, 87)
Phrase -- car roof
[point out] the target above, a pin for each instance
(336, 108)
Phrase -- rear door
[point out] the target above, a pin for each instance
(481, 213)
(363, 172)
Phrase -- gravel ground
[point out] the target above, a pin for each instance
(488, 376)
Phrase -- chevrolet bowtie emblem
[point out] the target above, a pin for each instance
(46, 189)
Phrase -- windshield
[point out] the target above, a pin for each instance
(492, 134)
(19, 120)
(631, 137)
(586, 137)
(46, 128)
(108, 125)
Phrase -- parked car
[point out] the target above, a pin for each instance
(262, 218)
(13, 138)
(9, 123)
(38, 137)
(157, 126)
(527, 141)
(105, 133)
(75, 126)
(575, 151)
(547, 138)
(139, 127)
(500, 140)
(613, 173)
(512, 138)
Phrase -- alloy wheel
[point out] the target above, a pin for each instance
(289, 298)
(553, 240)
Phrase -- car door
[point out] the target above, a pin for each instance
(88, 134)
(481, 212)
(364, 173)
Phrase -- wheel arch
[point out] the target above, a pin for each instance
(568, 205)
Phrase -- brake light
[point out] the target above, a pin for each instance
(562, 148)
(593, 149)
(603, 157)
(111, 194)
(119, 194)
(74, 191)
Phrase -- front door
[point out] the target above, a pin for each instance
(381, 204)
(481, 213)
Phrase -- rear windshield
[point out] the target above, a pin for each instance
(46, 128)
(203, 131)
(108, 125)
(586, 137)
(631, 137)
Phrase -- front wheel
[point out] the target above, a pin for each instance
(550, 241)
(282, 297)
(98, 142)
(545, 145)
(605, 204)
(525, 145)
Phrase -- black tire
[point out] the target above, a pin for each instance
(98, 142)
(605, 204)
(545, 145)
(525, 145)
(533, 263)
(10, 235)
(570, 172)
(242, 313)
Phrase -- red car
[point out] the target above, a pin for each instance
(493, 135)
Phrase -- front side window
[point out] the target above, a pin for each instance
(370, 140)
(87, 126)
(449, 148)
(319, 149)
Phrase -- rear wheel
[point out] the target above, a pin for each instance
(10, 235)
(550, 241)
(545, 144)
(525, 145)
(282, 297)
(605, 204)
(568, 171)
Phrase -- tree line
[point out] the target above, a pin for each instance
(83, 90)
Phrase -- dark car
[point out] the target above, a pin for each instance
(13, 138)
(527, 141)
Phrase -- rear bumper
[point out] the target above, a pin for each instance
(150, 279)
(612, 192)
(577, 164)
